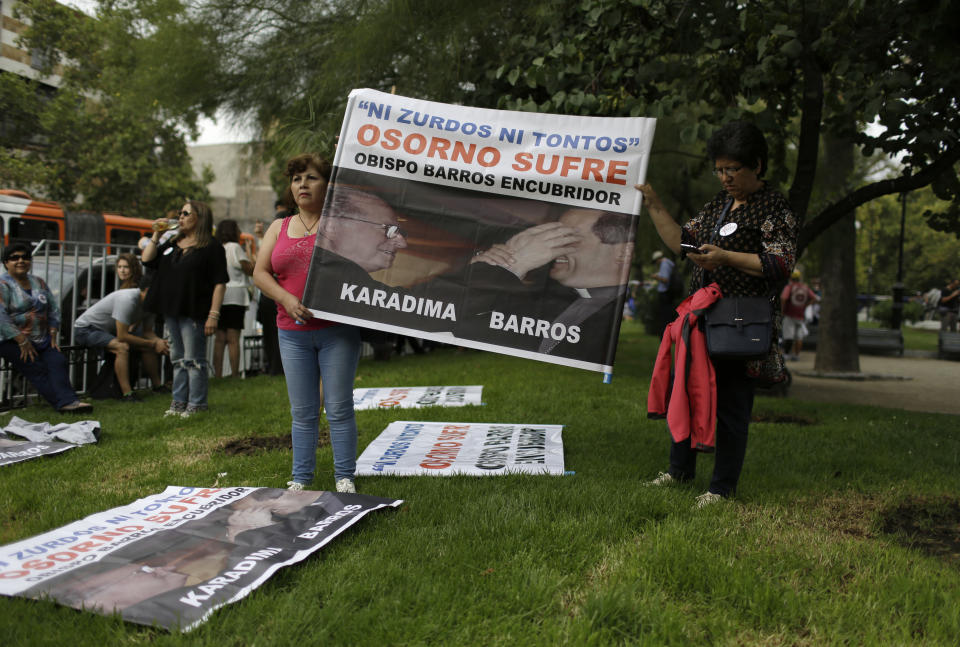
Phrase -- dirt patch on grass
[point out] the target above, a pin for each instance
(850, 515)
(929, 524)
(782, 419)
(261, 444)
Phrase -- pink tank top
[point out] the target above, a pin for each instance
(291, 260)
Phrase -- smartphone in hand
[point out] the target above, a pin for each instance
(690, 249)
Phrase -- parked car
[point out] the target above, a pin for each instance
(77, 283)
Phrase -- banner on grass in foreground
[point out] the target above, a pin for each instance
(15, 451)
(414, 397)
(500, 230)
(173, 558)
(475, 449)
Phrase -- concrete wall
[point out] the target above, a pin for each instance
(240, 191)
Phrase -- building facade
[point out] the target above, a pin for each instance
(241, 189)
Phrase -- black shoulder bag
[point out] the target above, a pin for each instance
(737, 327)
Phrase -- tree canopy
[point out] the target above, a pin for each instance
(801, 70)
(112, 136)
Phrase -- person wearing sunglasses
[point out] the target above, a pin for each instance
(187, 288)
(319, 357)
(744, 239)
(29, 321)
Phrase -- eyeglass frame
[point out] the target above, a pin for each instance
(390, 231)
(19, 257)
(729, 171)
(185, 213)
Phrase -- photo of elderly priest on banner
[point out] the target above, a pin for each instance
(497, 230)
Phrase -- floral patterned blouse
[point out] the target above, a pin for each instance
(764, 225)
(33, 312)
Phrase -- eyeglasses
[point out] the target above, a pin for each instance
(390, 231)
(185, 213)
(19, 257)
(729, 171)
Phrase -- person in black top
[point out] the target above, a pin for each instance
(187, 289)
(751, 253)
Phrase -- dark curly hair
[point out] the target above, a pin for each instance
(740, 141)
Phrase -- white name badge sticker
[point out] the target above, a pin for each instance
(728, 229)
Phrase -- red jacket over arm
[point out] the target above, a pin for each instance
(687, 394)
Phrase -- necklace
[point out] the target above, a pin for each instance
(306, 229)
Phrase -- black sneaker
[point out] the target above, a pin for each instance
(130, 397)
(160, 388)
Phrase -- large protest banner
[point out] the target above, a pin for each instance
(408, 448)
(414, 397)
(504, 231)
(173, 558)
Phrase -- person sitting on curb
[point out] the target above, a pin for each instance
(109, 324)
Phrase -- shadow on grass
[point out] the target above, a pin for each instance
(929, 524)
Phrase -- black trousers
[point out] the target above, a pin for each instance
(734, 407)
(267, 316)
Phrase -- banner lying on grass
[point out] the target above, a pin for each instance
(504, 231)
(476, 449)
(173, 558)
(15, 451)
(414, 397)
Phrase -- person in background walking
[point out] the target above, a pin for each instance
(663, 276)
(236, 298)
(794, 299)
(267, 308)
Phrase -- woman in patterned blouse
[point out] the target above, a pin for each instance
(29, 321)
(751, 254)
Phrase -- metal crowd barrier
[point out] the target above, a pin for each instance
(78, 274)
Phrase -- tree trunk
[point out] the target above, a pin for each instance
(837, 337)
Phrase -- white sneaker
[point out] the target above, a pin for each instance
(176, 409)
(663, 478)
(707, 498)
(293, 486)
(346, 486)
(191, 410)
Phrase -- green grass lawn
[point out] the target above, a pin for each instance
(803, 556)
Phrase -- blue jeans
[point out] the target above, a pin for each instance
(309, 355)
(188, 354)
(47, 373)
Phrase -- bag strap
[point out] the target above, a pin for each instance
(723, 216)
(716, 233)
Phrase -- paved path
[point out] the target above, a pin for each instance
(934, 384)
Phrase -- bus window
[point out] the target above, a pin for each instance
(34, 230)
(124, 237)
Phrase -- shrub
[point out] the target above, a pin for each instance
(882, 312)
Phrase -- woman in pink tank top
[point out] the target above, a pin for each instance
(316, 354)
